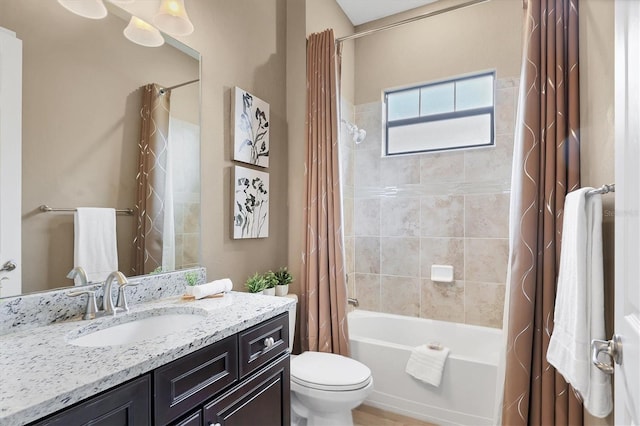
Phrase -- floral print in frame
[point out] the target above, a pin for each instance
(250, 128)
(251, 203)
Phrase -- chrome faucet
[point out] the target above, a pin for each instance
(108, 307)
(353, 301)
(79, 273)
(107, 298)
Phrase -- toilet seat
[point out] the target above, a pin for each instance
(329, 372)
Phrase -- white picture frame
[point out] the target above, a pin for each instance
(250, 128)
(251, 203)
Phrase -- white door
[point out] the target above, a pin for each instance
(10, 162)
(627, 223)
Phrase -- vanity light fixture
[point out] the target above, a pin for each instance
(143, 33)
(92, 9)
(172, 18)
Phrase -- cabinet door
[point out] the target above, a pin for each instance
(262, 399)
(126, 405)
(184, 384)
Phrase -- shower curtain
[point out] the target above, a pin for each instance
(323, 282)
(546, 167)
(154, 205)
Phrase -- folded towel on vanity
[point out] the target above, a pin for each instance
(426, 363)
(214, 287)
(579, 309)
(95, 248)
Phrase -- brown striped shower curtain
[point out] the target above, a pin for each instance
(151, 180)
(548, 161)
(323, 303)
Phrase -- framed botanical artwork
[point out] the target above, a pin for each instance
(250, 128)
(251, 203)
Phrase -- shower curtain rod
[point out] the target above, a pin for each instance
(164, 89)
(409, 20)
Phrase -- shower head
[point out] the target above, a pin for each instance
(357, 134)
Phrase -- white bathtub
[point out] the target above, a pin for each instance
(467, 393)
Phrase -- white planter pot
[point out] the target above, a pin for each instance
(188, 290)
(269, 291)
(282, 290)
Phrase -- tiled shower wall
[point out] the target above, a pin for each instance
(186, 187)
(404, 214)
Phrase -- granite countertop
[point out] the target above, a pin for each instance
(41, 372)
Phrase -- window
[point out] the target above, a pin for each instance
(452, 114)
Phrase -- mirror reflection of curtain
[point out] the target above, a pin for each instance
(154, 240)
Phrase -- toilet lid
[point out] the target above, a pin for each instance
(325, 371)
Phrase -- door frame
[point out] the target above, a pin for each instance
(10, 161)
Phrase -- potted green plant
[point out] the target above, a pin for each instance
(270, 283)
(255, 283)
(284, 278)
(191, 278)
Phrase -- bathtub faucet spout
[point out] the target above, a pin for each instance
(352, 301)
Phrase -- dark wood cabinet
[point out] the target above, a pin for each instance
(262, 343)
(187, 382)
(194, 419)
(243, 379)
(126, 405)
(263, 399)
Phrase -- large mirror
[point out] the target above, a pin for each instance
(81, 121)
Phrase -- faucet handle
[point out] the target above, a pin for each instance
(92, 306)
(121, 302)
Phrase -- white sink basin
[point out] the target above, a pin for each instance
(136, 329)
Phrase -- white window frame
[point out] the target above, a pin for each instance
(438, 120)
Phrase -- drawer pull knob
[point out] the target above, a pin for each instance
(268, 342)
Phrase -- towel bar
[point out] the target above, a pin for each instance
(45, 208)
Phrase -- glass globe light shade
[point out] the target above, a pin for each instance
(142, 33)
(172, 18)
(92, 9)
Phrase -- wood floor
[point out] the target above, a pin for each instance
(365, 415)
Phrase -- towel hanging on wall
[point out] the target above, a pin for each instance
(95, 248)
(579, 309)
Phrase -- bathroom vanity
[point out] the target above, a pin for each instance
(232, 367)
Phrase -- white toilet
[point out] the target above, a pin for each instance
(325, 387)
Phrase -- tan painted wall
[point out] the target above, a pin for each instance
(597, 130)
(242, 44)
(485, 36)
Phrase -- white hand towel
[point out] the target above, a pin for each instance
(95, 247)
(214, 287)
(579, 311)
(427, 364)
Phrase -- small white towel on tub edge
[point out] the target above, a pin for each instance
(427, 364)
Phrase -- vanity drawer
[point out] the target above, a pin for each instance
(185, 383)
(125, 405)
(263, 343)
